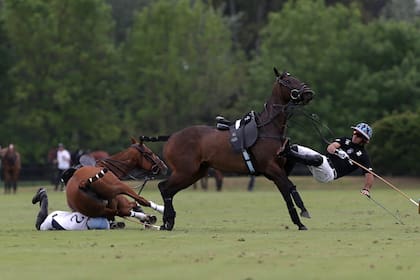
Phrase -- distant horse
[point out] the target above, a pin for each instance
(191, 151)
(10, 161)
(104, 197)
(218, 177)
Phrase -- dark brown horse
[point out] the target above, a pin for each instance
(10, 162)
(218, 177)
(191, 151)
(105, 196)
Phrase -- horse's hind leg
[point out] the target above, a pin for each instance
(124, 189)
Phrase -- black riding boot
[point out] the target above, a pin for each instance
(313, 160)
(299, 203)
(43, 212)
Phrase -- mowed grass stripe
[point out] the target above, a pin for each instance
(233, 234)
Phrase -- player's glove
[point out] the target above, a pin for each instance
(341, 154)
(365, 192)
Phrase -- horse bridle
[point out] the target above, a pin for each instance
(295, 93)
(156, 162)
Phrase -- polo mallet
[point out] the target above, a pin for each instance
(144, 224)
(387, 183)
(383, 207)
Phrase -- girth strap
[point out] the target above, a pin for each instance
(248, 162)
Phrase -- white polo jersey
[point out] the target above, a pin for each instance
(64, 220)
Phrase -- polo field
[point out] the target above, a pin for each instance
(232, 234)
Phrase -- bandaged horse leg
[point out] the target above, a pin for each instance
(169, 214)
(299, 202)
(151, 219)
(285, 192)
(127, 208)
(293, 214)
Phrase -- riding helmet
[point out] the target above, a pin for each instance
(364, 129)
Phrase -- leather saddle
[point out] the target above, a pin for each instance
(243, 132)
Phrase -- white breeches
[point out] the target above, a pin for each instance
(323, 173)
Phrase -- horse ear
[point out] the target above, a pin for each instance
(276, 72)
(133, 140)
(284, 74)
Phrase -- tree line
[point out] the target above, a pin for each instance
(92, 73)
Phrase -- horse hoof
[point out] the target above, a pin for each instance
(151, 219)
(305, 214)
(302, 227)
(165, 227)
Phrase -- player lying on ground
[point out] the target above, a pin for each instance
(65, 220)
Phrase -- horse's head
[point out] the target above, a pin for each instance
(288, 89)
(147, 160)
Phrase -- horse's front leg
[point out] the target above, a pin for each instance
(291, 207)
(284, 185)
(169, 188)
(169, 213)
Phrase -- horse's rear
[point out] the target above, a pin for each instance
(91, 200)
(191, 151)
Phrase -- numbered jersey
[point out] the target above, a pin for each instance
(63, 220)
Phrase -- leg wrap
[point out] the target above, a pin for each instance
(296, 197)
(294, 216)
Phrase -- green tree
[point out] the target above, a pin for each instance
(180, 67)
(394, 148)
(64, 76)
(6, 62)
(385, 63)
(305, 38)
(360, 72)
(123, 12)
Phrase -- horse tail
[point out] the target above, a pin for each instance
(160, 138)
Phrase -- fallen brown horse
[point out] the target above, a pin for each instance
(192, 150)
(11, 165)
(104, 197)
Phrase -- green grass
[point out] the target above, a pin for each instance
(233, 234)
